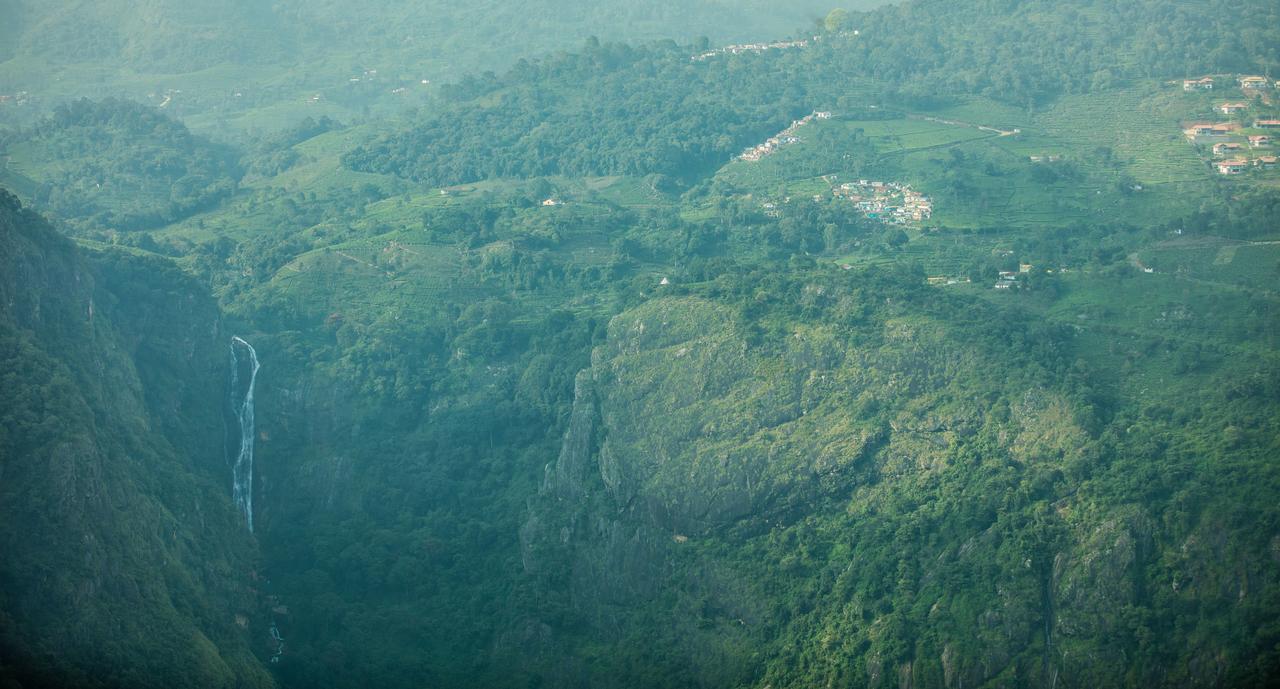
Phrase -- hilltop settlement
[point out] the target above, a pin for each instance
(1240, 141)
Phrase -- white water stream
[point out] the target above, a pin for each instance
(242, 470)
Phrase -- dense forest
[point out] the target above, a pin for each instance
(557, 390)
(121, 165)
(481, 34)
(121, 555)
(613, 109)
(1027, 52)
(241, 60)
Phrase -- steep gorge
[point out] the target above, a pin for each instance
(125, 563)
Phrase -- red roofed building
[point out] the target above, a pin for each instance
(1231, 167)
(1207, 129)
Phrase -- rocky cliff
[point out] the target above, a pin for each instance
(859, 498)
(125, 563)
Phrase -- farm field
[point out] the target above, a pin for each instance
(1224, 261)
(1105, 157)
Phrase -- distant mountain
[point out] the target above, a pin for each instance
(289, 46)
(155, 36)
(174, 36)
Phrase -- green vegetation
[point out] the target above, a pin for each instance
(245, 66)
(119, 165)
(124, 563)
(559, 389)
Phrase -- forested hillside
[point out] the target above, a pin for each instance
(258, 63)
(178, 37)
(118, 165)
(1027, 52)
(931, 346)
(834, 474)
(615, 109)
(125, 564)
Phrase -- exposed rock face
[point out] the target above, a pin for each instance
(894, 499)
(568, 477)
(699, 432)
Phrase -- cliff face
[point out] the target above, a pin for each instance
(861, 500)
(125, 563)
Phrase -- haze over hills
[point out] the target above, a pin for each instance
(931, 346)
(282, 52)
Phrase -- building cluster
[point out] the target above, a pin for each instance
(740, 48)
(1237, 166)
(1008, 279)
(890, 202)
(1248, 83)
(887, 202)
(785, 137)
(1232, 142)
(19, 98)
(1200, 131)
(1231, 152)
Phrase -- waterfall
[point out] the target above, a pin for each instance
(242, 470)
(275, 636)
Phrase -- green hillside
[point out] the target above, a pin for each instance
(259, 65)
(118, 165)
(936, 347)
(125, 563)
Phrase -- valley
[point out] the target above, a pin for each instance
(932, 358)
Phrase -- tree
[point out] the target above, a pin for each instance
(836, 20)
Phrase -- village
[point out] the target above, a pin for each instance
(785, 137)
(889, 202)
(740, 48)
(1245, 141)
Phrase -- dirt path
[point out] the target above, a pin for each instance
(353, 258)
(970, 125)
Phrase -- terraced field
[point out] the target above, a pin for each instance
(1219, 260)
(1140, 127)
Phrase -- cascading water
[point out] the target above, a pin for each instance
(279, 641)
(242, 470)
